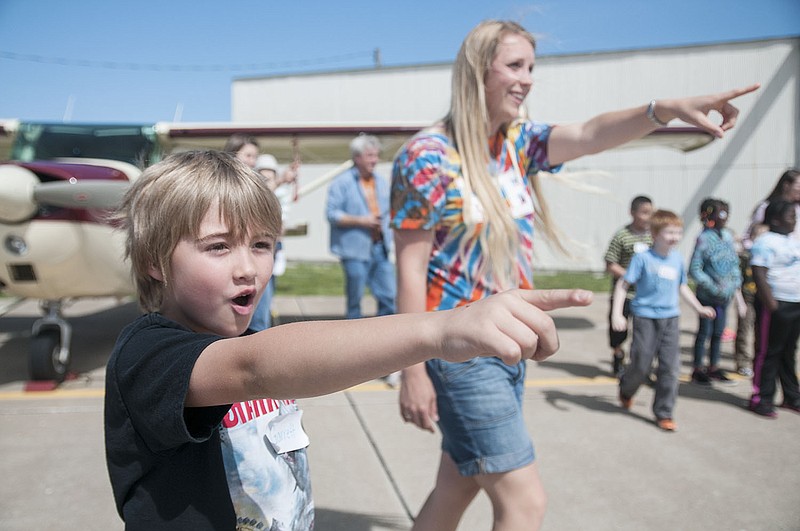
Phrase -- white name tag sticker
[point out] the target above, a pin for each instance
(668, 273)
(640, 247)
(516, 193)
(476, 209)
(286, 432)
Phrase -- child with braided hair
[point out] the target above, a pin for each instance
(715, 269)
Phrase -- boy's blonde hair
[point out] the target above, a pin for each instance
(662, 218)
(467, 123)
(168, 202)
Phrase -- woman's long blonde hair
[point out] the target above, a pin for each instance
(467, 124)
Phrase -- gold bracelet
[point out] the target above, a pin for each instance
(651, 113)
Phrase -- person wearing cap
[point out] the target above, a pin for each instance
(267, 166)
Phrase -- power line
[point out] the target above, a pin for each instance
(154, 67)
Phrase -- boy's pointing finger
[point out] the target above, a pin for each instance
(552, 299)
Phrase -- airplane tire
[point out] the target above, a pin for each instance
(43, 362)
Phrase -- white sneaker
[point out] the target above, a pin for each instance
(393, 380)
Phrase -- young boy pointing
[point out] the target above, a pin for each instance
(201, 428)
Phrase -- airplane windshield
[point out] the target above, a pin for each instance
(135, 144)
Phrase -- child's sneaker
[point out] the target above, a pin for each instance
(667, 424)
(718, 375)
(765, 410)
(392, 380)
(790, 406)
(699, 377)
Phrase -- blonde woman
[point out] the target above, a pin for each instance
(465, 198)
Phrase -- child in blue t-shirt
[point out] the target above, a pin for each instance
(659, 276)
(776, 271)
(715, 269)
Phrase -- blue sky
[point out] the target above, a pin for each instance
(146, 60)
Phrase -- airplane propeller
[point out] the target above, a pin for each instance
(21, 193)
(81, 194)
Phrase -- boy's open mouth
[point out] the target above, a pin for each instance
(243, 300)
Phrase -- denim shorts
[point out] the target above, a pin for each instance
(480, 414)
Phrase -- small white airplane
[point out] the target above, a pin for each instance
(60, 179)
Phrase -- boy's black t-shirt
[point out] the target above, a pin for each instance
(164, 461)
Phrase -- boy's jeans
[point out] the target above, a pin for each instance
(654, 339)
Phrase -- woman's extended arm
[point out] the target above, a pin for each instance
(612, 129)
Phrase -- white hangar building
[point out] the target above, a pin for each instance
(589, 197)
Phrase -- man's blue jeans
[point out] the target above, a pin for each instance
(378, 274)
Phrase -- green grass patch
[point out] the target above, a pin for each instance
(311, 278)
(326, 278)
(599, 282)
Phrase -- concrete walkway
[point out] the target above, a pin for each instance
(604, 469)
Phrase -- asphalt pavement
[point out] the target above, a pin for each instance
(604, 468)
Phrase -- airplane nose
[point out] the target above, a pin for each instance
(16, 193)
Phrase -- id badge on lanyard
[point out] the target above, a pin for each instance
(513, 187)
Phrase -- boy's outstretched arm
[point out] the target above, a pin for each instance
(689, 296)
(319, 357)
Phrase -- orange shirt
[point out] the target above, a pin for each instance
(372, 199)
(368, 185)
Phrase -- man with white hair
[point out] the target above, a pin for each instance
(358, 211)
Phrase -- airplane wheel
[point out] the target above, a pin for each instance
(43, 363)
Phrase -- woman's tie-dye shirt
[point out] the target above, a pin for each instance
(427, 193)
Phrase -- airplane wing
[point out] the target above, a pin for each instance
(329, 143)
(326, 143)
(314, 143)
(681, 138)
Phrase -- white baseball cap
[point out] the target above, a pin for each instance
(266, 162)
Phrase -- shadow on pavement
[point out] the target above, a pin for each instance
(599, 403)
(717, 393)
(581, 370)
(332, 520)
(572, 323)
